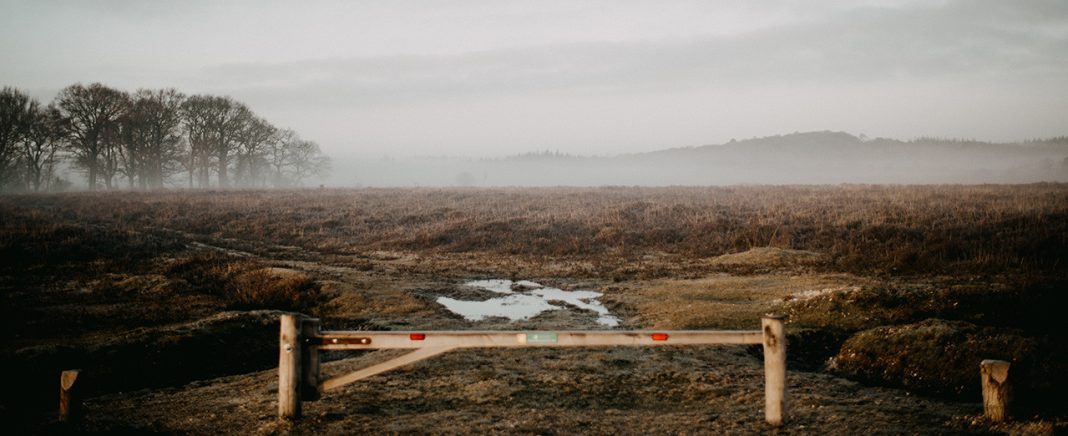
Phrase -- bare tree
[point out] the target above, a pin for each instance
(14, 115)
(196, 113)
(228, 118)
(133, 133)
(92, 112)
(111, 159)
(253, 140)
(213, 125)
(41, 143)
(152, 136)
(292, 159)
(306, 160)
(278, 158)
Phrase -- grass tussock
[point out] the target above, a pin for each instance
(246, 284)
(270, 288)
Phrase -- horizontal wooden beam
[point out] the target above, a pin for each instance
(372, 340)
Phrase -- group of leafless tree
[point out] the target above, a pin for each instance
(149, 139)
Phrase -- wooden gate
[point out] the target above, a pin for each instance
(301, 340)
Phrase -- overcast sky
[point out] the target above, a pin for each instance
(491, 78)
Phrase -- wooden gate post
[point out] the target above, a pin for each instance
(69, 399)
(309, 361)
(289, 374)
(996, 389)
(774, 369)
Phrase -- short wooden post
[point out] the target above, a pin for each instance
(289, 375)
(309, 362)
(996, 389)
(774, 369)
(69, 398)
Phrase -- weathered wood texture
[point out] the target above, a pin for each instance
(406, 359)
(774, 369)
(69, 398)
(997, 392)
(474, 339)
(309, 361)
(289, 374)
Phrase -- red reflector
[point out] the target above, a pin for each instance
(417, 336)
(660, 336)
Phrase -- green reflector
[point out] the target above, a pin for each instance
(541, 338)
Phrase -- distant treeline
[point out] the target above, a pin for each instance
(148, 139)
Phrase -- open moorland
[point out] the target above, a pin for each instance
(169, 301)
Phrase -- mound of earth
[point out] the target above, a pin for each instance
(1034, 309)
(223, 344)
(273, 288)
(768, 257)
(942, 357)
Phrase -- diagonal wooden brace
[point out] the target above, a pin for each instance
(414, 356)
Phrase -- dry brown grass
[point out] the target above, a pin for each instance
(723, 301)
(272, 288)
(245, 284)
(866, 229)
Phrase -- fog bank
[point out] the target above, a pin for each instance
(799, 158)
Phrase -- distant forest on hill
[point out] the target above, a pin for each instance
(148, 139)
(798, 158)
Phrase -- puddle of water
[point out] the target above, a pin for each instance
(528, 284)
(498, 286)
(528, 300)
(514, 307)
(582, 300)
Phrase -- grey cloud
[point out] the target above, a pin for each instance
(966, 39)
(613, 74)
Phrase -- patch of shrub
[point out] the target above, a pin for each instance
(942, 358)
(246, 284)
(1035, 308)
(272, 288)
(206, 272)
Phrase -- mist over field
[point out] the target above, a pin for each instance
(487, 93)
(799, 158)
